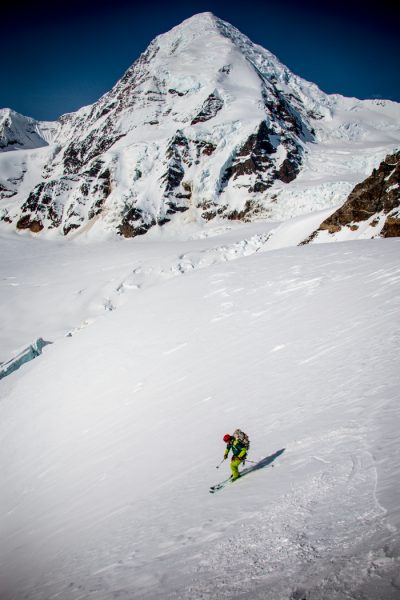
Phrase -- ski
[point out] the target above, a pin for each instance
(246, 471)
(219, 486)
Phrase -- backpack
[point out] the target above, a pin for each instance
(242, 437)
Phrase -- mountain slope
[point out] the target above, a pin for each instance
(110, 439)
(19, 132)
(204, 121)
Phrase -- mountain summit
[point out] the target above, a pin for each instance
(205, 123)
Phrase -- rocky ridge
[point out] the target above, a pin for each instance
(372, 207)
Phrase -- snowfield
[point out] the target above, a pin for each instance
(162, 344)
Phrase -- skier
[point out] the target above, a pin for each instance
(239, 444)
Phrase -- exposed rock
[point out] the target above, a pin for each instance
(210, 108)
(226, 69)
(288, 170)
(133, 224)
(178, 153)
(79, 154)
(180, 94)
(89, 199)
(331, 227)
(250, 209)
(173, 207)
(286, 114)
(391, 227)
(253, 158)
(42, 207)
(204, 147)
(377, 195)
(28, 223)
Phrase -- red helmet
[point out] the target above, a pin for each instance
(227, 437)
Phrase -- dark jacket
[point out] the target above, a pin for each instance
(238, 450)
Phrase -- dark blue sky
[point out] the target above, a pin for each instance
(57, 58)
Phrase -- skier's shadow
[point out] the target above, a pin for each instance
(264, 462)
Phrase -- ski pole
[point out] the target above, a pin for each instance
(219, 464)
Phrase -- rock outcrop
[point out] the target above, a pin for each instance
(373, 205)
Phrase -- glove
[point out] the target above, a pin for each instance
(225, 456)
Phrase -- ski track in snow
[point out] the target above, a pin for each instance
(297, 346)
(291, 534)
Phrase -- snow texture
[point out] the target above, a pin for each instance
(161, 345)
(124, 362)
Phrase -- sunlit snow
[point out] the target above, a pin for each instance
(110, 439)
(124, 362)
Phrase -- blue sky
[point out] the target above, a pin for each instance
(57, 58)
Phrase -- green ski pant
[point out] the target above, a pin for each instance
(235, 462)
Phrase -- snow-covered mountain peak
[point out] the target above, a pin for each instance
(212, 38)
(204, 121)
(196, 25)
(209, 29)
(206, 26)
(18, 131)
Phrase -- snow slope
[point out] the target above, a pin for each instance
(20, 132)
(110, 439)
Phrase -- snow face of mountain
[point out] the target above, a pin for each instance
(371, 210)
(204, 121)
(19, 132)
